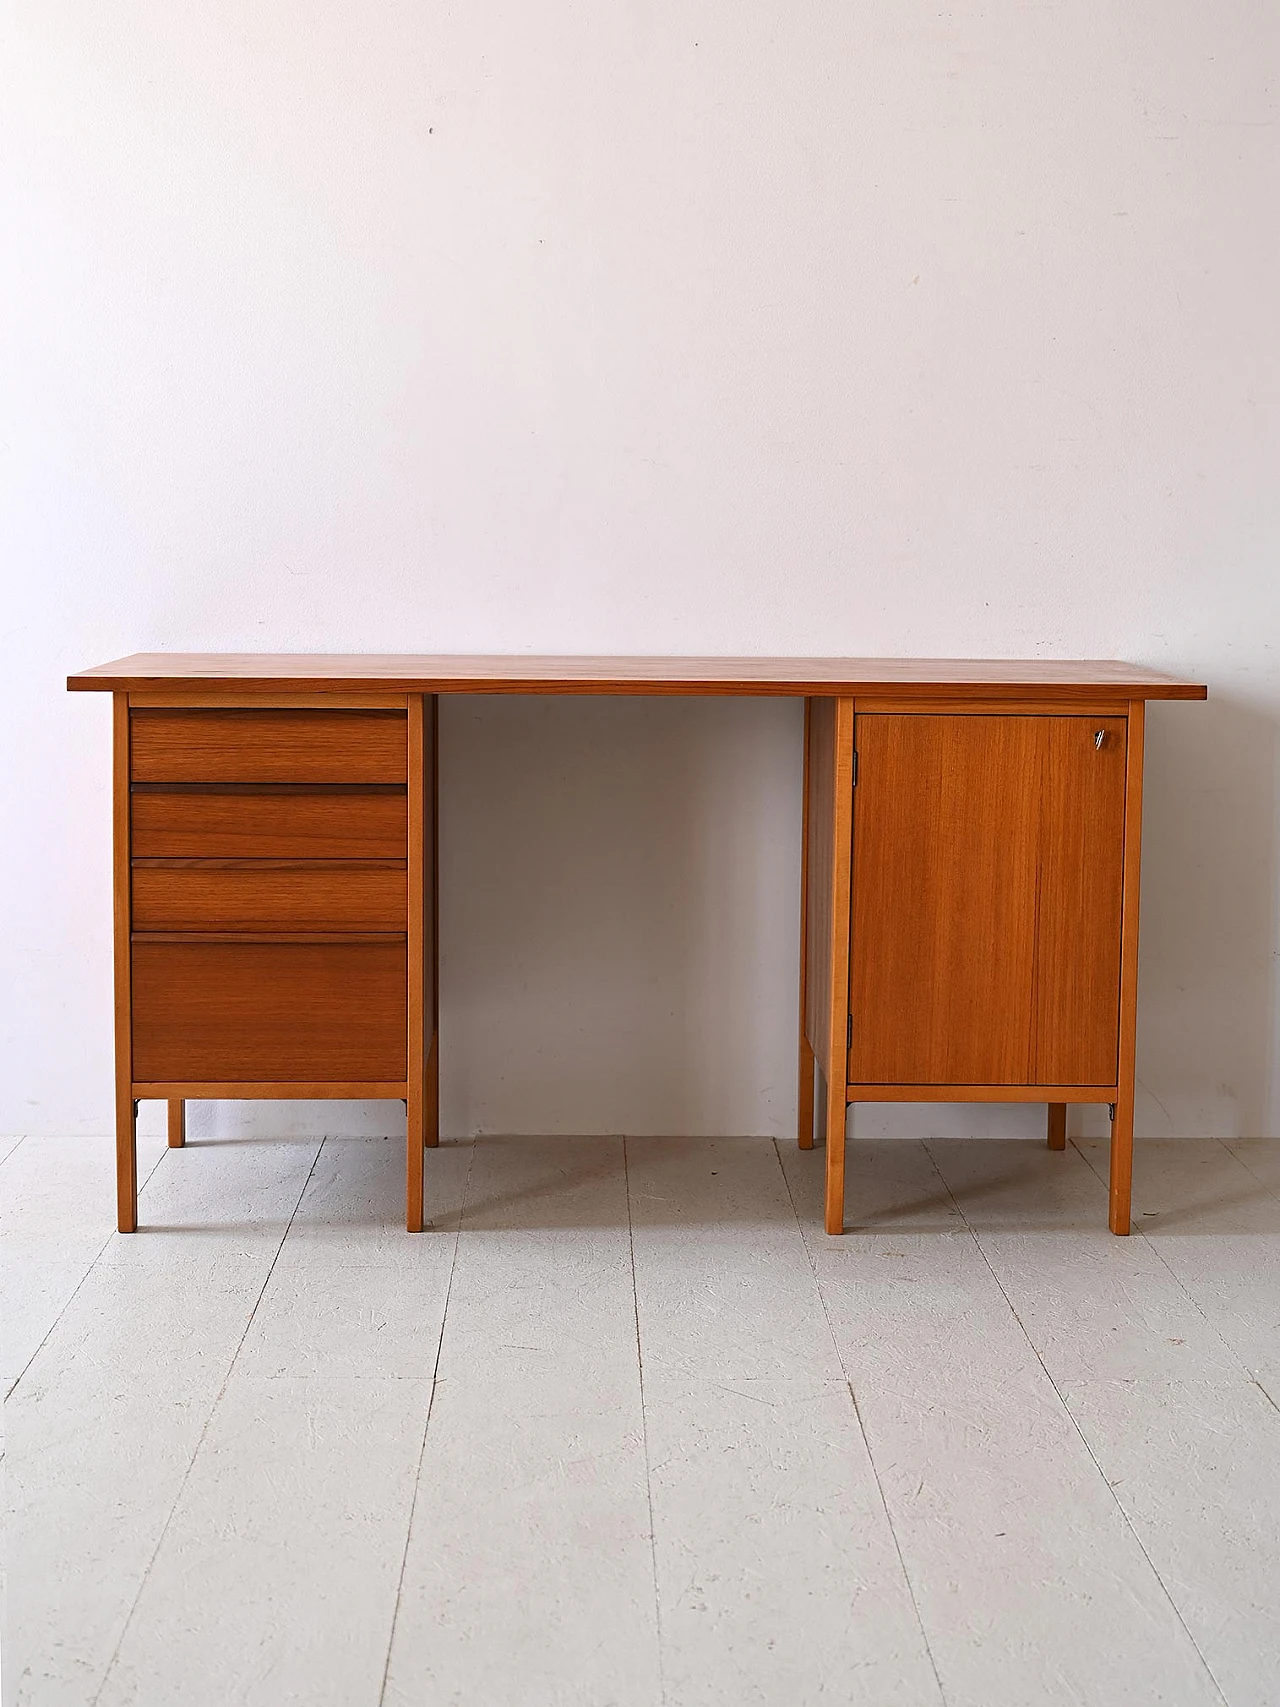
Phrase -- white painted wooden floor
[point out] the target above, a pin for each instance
(627, 1429)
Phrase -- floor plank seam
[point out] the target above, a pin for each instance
(897, 1545)
(1210, 1325)
(1084, 1441)
(871, 1457)
(204, 1432)
(426, 1425)
(71, 1296)
(1177, 1280)
(644, 1432)
(1270, 1190)
(1194, 1302)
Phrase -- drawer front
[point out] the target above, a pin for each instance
(243, 745)
(255, 822)
(269, 1011)
(278, 895)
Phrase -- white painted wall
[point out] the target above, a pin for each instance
(727, 327)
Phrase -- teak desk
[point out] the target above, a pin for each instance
(969, 901)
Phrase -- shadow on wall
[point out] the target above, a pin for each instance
(619, 914)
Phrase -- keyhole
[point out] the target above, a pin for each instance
(1099, 738)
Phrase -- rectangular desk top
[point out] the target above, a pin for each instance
(240, 673)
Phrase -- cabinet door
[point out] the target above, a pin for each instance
(987, 882)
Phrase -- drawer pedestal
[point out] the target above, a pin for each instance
(275, 910)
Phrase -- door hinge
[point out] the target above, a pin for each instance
(848, 1034)
(855, 767)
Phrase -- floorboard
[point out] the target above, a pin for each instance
(627, 1428)
(1031, 1584)
(105, 1421)
(778, 1576)
(528, 1578)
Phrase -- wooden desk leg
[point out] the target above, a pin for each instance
(126, 1107)
(836, 1045)
(804, 1098)
(1121, 1162)
(126, 1160)
(804, 1093)
(837, 1115)
(421, 1121)
(177, 1123)
(415, 1160)
(1057, 1128)
(1122, 1115)
(431, 753)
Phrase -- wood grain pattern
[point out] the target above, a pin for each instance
(187, 696)
(268, 937)
(275, 1090)
(239, 745)
(945, 830)
(987, 888)
(981, 1093)
(1079, 891)
(268, 821)
(1114, 704)
(126, 1113)
(126, 1159)
(269, 895)
(1121, 1175)
(269, 1011)
(955, 678)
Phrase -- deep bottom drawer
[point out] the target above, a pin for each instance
(269, 1011)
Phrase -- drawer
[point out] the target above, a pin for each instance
(243, 745)
(259, 821)
(272, 895)
(210, 1011)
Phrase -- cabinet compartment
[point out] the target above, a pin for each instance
(240, 744)
(273, 895)
(218, 1011)
(266, 821)
(986, 909)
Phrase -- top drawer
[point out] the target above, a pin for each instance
(243, 745)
